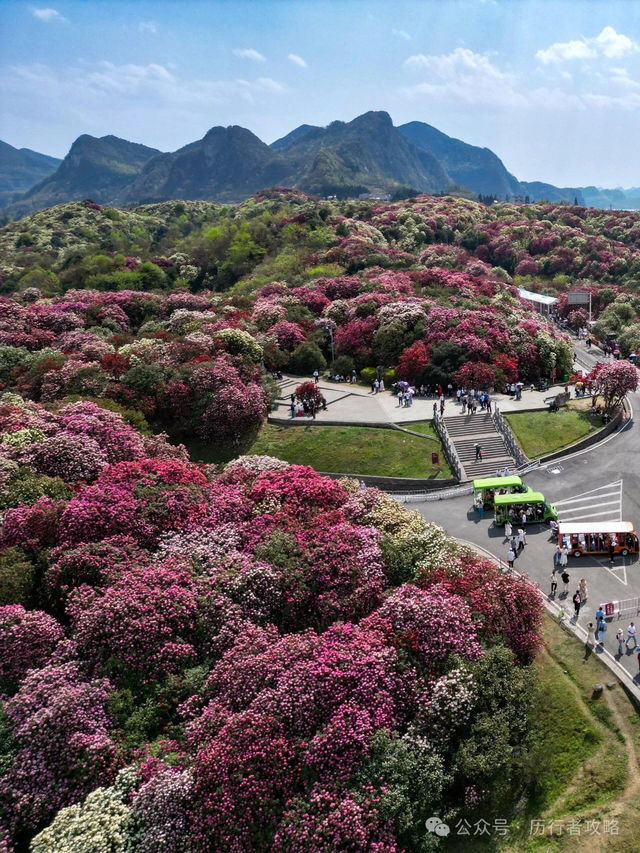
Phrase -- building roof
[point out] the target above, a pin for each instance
(538, 298)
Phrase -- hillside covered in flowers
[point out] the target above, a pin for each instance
(264, 659)
(171, 310)
(257, 657)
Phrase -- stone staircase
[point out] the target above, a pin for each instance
(468, 430)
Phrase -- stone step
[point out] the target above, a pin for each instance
(487, 468)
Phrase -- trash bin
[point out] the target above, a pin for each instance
(275, 407)
(565, 377)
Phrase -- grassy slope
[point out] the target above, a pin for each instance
(583, 760)
(543, 432)
(586, 753)
(343, 450)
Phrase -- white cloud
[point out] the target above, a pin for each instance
(609, 44)
(620, 77)
(401, 34)
(148, 27)
(120, 89)
(297, 60)
(469, 78)
(613, 44)
(267, 84)
(462, 76)
(565, 51)
(249, 53)
(48, 15)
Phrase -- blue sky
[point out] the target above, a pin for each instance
(552, 87)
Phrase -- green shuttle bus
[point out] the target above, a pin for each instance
(490, 487)
(512, 506)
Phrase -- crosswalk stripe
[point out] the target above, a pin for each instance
(593, 515)
(587, 500)
(594, 506)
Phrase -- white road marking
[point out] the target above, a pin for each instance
(587, 505)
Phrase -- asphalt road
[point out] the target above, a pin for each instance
(601, 483)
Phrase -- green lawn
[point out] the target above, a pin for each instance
(423, 427)
(543, 432)
(343, 450)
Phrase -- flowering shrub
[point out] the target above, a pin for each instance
(27, 641)
(63, 748)
(140, 625)
(102, 822)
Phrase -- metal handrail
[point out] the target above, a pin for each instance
(449, 448)
(509, 438)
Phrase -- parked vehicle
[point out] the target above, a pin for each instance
(489, 487)
(533, 504)
(598, 537)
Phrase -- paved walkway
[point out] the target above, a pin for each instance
(355, 404)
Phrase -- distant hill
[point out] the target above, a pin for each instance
(539, 191)
(369, 151)
(367, 156)
(21, 168)
(227, 164)
(93, 168)
(285, 142)
(479, 169)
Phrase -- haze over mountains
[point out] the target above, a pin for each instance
(366, 156)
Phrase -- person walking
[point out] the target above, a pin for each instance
(620, 639)
(601, 625)
(557, 555)
(442, 407)
(565, 580)
(554, 584)
(478, 452)
(511, 555)
(523, 519)
(564, 557)
(316, 376)
(591, 637)
(435, 411)
(584, 592)
(577, 602)
(521, 540)
(514, 544)
(508, 530)
(631, 635)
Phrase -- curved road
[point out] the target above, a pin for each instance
(601, 483)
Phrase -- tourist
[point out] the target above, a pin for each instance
(521, 540)
(631, 635)
(511, 555)
(478, 452)
(620, 639)
(324, 404)
(435, 411)
(316, 376)
(556, 556)
(591, 637)
(564, 556)
(565, 580)
(583, 590)
(508, 530)
(577, 602)
(441, 406)
(554, 584)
